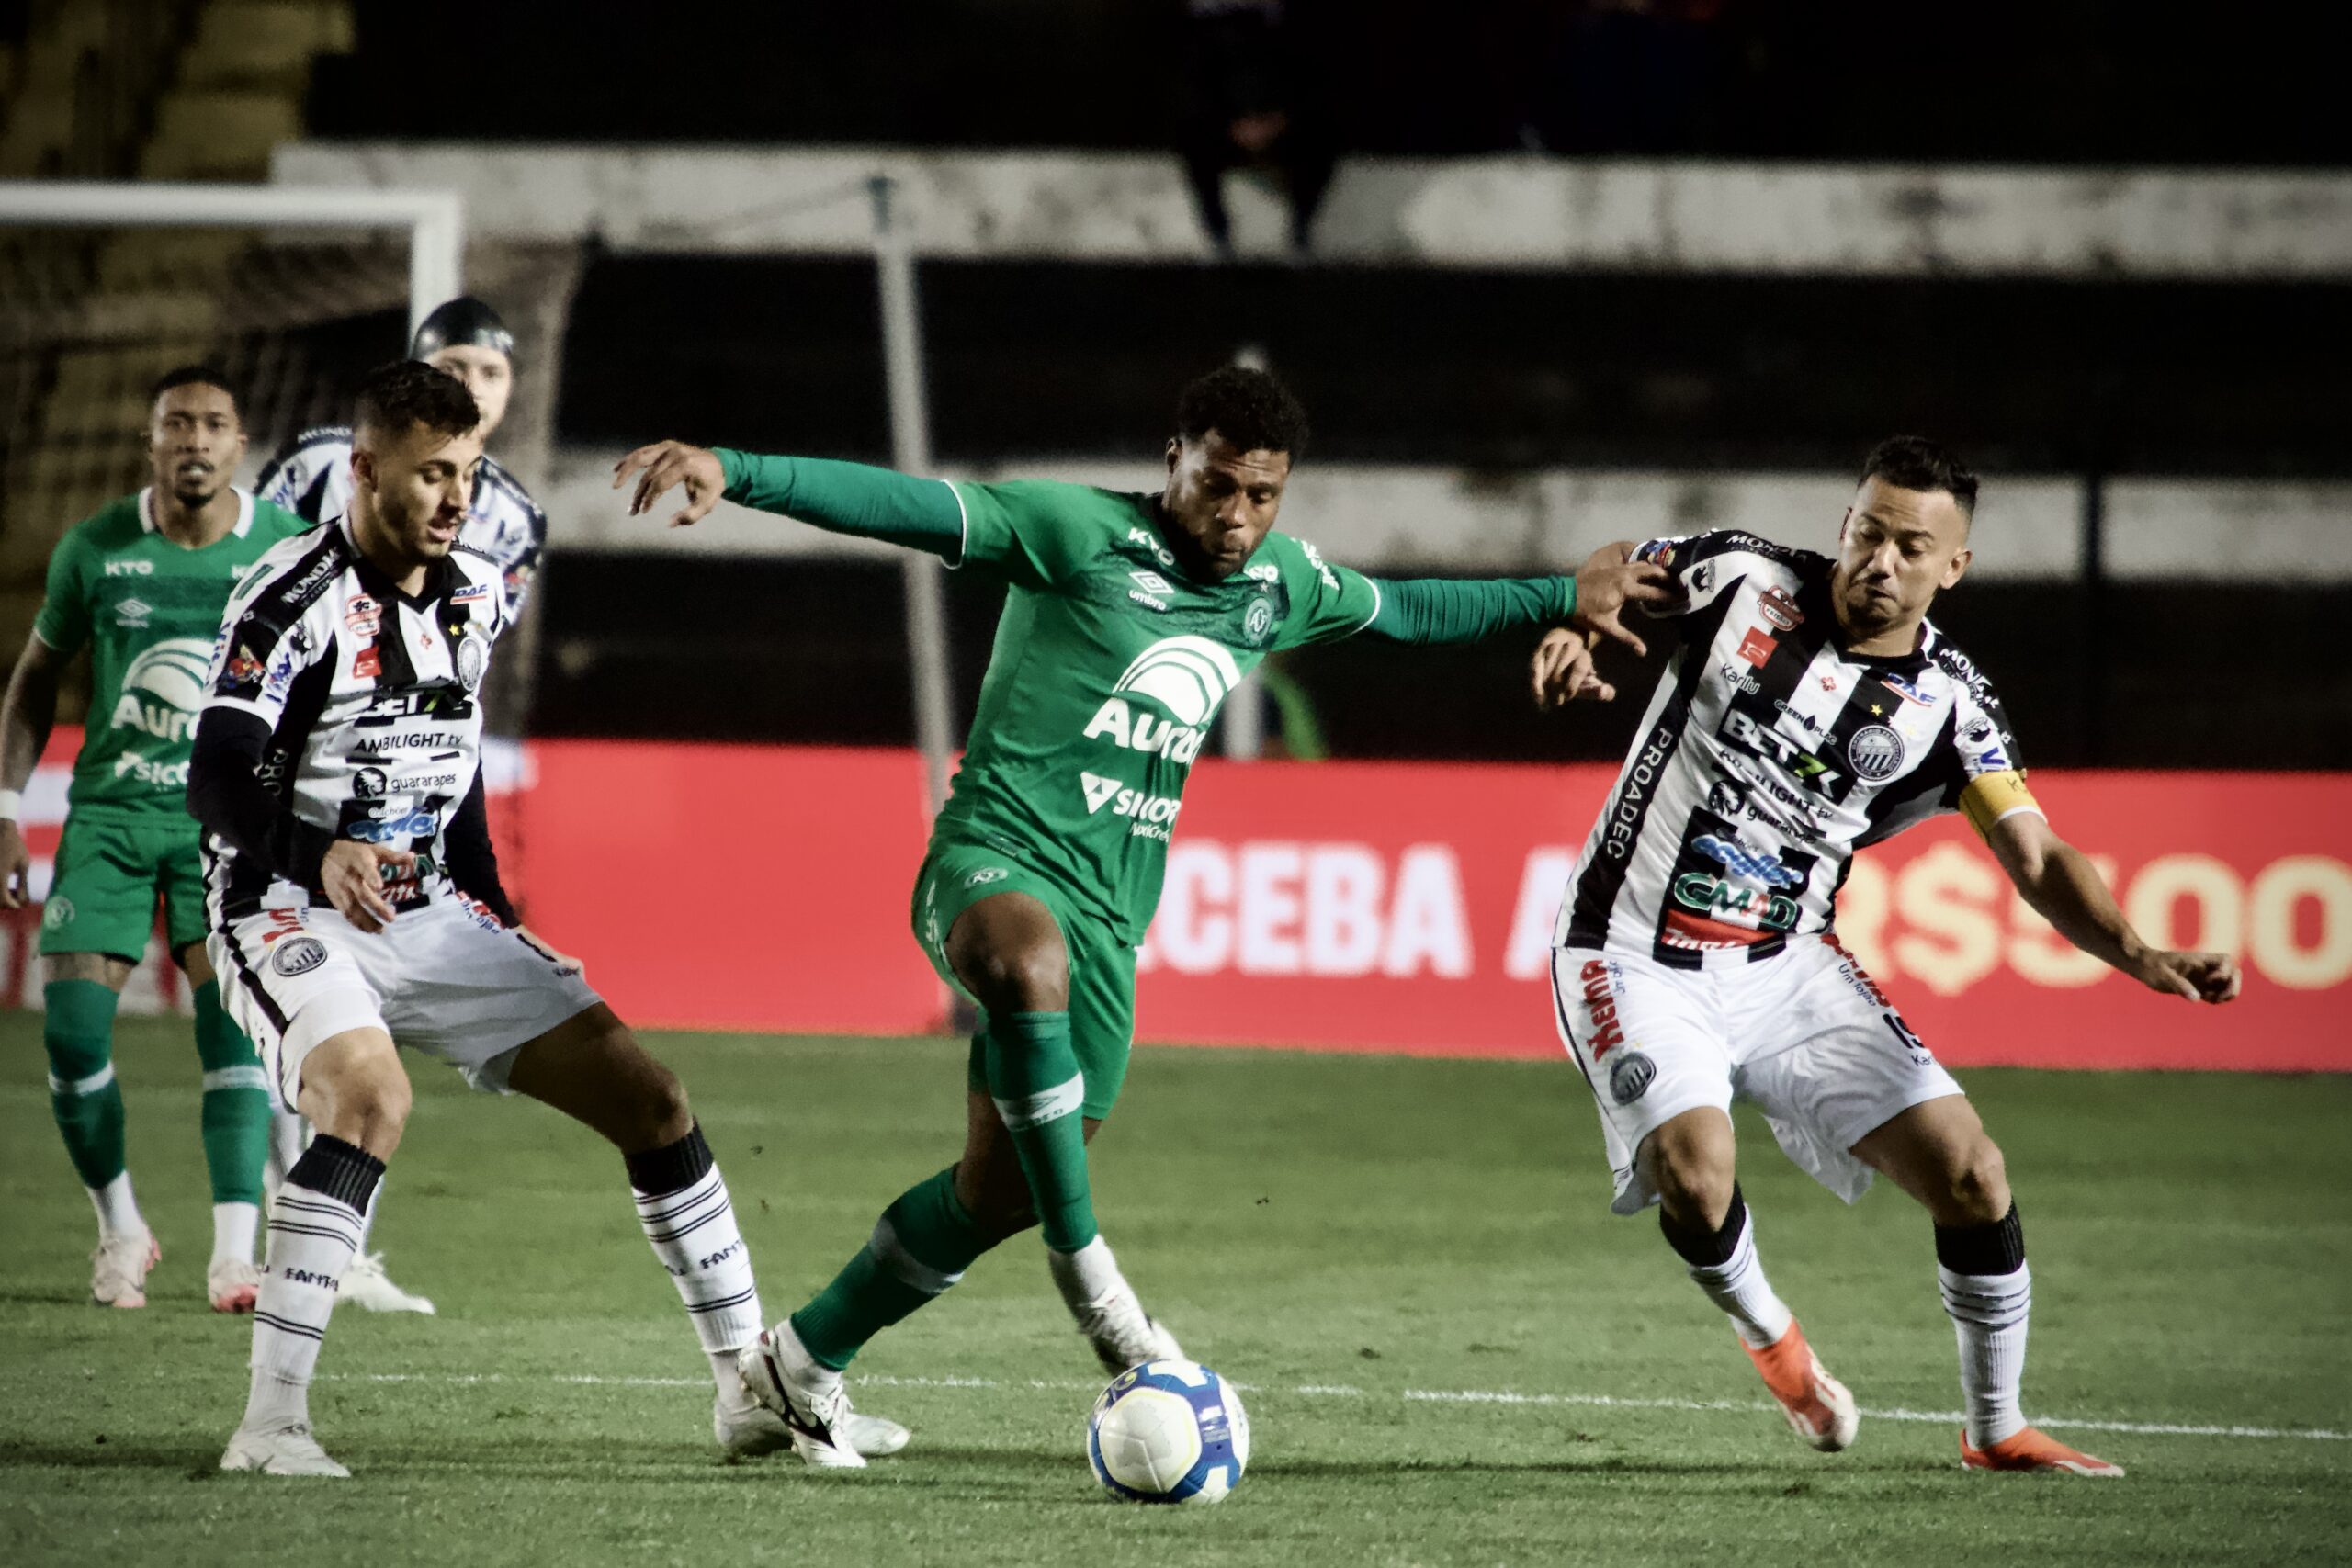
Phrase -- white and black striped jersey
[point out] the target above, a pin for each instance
(312, 480)
(1767, 756)
(337, 707)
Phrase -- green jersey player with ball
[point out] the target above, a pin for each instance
(1129, 620)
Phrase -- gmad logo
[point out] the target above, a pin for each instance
(1188, 677)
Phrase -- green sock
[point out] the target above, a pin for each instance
(236, 1101)
(921, 1246)
(79, 1032)
(1033, 1079)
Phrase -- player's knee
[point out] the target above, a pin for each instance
(668, 1117)
(1031, 978)
(1977, 1183)
(371, 1109)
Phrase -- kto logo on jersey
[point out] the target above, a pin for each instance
(1188, 676)
(1714, 896)
(1154, 815)
(1809, 769)
(163, 688)
(131, 568)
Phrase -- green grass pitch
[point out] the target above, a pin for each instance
(1346, 1235)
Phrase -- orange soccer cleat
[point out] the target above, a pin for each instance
(2030, 1449)
(1819, 1408)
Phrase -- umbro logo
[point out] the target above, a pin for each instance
(1099, 791)
(134, 612)
(1152, 582)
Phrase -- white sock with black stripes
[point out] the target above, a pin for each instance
(1988, 1291)
(313, 1230)
(1724, 1264)
(682, 1201)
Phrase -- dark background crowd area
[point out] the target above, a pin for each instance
(2056, 82)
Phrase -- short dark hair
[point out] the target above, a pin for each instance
(402, 393)
(1914, 462)
(191, 375)
(1247, 407)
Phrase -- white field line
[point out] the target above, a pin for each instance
(1421, 1395)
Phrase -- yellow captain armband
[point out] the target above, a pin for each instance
(1991, 796)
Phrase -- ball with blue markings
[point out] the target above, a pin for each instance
(1169, 1432)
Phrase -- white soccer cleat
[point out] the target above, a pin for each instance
(754, 1429)
(119, 1270)
(1123, 1334)
(364, 1282)
(233, 1283)
(806, 1396)
(290, 1451)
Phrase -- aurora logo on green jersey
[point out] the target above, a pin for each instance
(1188, 676)
(163, 688)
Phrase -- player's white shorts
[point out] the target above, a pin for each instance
(1806, 1035)
(441, 979)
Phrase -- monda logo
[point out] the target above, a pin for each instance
(1188, 677)
(163, 688)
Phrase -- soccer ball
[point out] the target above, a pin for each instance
(1168, 1432)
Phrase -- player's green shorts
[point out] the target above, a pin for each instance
(1101, 967)
(109, 875)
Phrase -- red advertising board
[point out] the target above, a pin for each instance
(1400, 907)
(1406, 907)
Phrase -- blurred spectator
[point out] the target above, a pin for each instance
(1631, 76)
(1249, 103)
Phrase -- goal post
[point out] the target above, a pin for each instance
(435, 221)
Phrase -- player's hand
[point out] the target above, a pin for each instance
(1563, 671)
(353, 875)
(1608, 580)
(2199, 976)
(16, 867)
(564, 963)
(667, 463)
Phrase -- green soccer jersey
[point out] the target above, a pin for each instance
(150, 609)
(1108, 669)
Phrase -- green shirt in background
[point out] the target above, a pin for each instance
(150, 610)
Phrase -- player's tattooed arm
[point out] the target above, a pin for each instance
(1562, 672)
(1608, 581)
(25, 720)
(2063, 886)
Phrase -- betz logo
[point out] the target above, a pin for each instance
(1809, 769)
(131, 568)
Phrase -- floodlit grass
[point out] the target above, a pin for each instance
(1345, 1235)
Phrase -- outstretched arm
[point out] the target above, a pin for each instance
(2059, 881)
(25, 720)
(1430, 612)
(846, 498)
